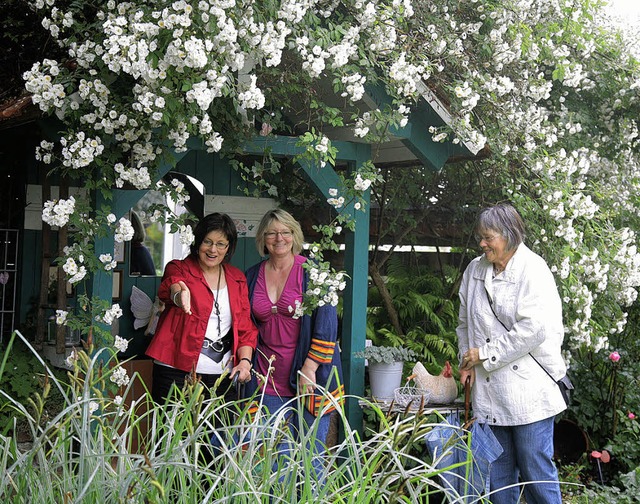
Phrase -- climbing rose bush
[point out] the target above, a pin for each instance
(143, 79)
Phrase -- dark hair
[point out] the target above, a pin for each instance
(215, 222)
(503, 219)
(139, 234)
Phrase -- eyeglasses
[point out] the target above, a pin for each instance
(219, 245)
(486, 239)
(271, 235)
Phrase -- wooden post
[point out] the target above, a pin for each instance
(43, 301)
(61, 294)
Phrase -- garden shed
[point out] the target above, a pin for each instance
(215, 186)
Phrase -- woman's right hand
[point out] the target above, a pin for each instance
(181, 296)
(463, 376)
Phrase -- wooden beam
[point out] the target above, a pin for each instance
(354, 319)
(415, 135)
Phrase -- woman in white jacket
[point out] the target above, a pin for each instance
(510, 335)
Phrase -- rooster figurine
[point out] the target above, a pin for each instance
(443, 387)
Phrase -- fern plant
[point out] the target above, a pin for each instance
(427, 312)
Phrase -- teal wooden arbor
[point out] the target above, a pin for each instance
(411, 143)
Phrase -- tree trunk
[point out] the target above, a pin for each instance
(386, 298)
(376, 277)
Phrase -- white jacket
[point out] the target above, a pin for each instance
(510, 388)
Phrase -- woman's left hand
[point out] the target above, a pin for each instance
(470, 359)
(243, 370)
(307, 378)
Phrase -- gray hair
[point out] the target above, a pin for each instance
(503, 219)
(287, 220)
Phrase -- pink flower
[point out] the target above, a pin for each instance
(632, 416)
(266, 129)
(614, 356)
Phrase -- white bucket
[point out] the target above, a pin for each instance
(384, 379)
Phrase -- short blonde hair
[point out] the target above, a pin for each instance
(284, 218)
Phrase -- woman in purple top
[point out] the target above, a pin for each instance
(279, 329)
(296, 354)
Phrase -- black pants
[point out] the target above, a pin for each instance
(165, 377)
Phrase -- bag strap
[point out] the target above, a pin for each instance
(502, 324)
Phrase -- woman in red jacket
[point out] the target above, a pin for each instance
(206, 326)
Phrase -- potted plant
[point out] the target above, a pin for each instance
(385, 365)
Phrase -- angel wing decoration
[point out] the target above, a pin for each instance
(145, 312)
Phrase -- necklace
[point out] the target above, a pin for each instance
(288, 265)
(216, 305)
(282, 274)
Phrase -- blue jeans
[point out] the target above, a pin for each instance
(319, 424)
(527, 457)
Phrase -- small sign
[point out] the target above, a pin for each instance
(246, 212)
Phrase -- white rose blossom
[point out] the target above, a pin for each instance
(361, 184)
(186, 235)
(57, 213)
(124, 231)
(61, 317)
(108, 262)
(120, 377)
(112, 314)
(121, 344)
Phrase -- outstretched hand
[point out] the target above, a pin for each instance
(183, 299)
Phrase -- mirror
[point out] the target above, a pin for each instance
(153, 245)
(141, 262)
(146, 248)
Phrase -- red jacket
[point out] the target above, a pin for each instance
(178, 338)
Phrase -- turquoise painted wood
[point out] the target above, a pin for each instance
(354, 319)
(101, 284)
(415, 135)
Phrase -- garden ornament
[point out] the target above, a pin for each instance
(443, 388)
(145, 312)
